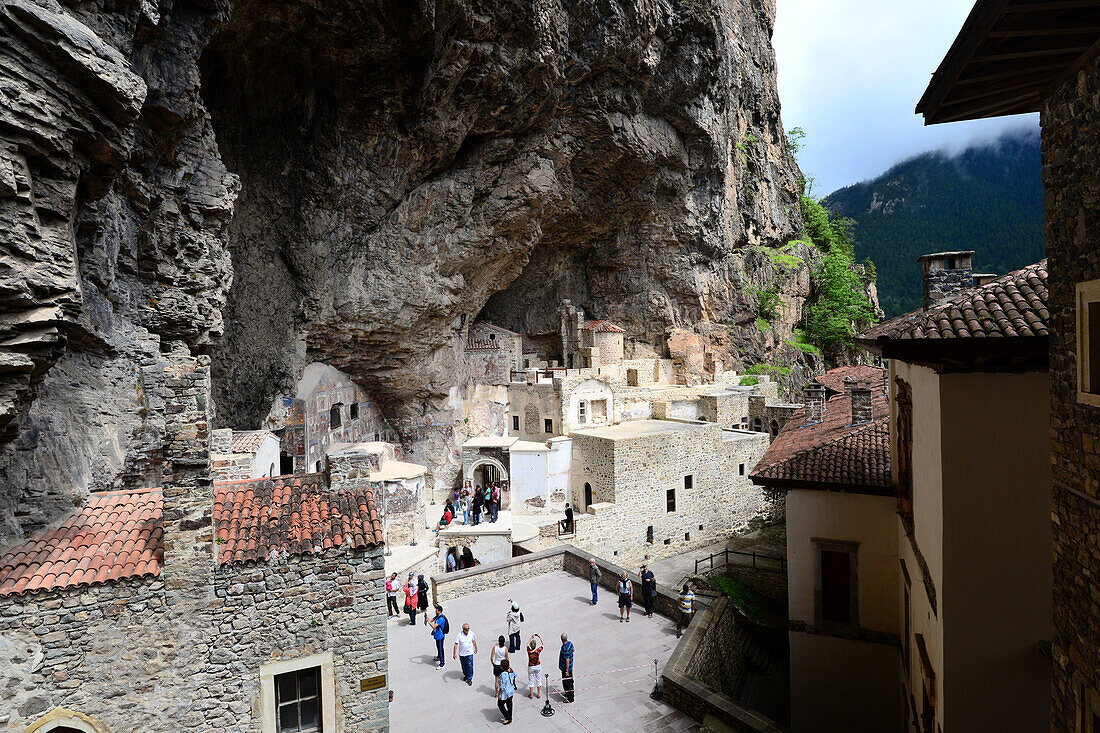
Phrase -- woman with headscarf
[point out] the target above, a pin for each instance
(422, 596)
(411, 599)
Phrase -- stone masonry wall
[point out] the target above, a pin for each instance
(1071, 141)
(720, 502)
(117, 652)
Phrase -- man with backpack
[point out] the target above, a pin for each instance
(440, 628)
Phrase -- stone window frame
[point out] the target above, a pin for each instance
(582, 412)
(66, 718)
(515, 422)
(269, 671)
(670, 501)
(740, 469)
(1086, 292)
(852, 548)
(548, 425)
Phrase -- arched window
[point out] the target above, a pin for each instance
(334, 416)
(757, 425)
(775, 428)
(271, 471)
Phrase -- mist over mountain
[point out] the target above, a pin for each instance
(987, 197)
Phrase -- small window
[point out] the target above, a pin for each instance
(649, 534)
(757, 425)
(775, 428)
(687, 536)
(668, 541)
(515, 422)
(670, 500)
(298, 701)
(689, 481)
(548, 425)
(354, 410)
(271, 470)
(1088, 342)
(582, 412)
(334, 416)
(740, 469)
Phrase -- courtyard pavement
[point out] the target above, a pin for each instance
(614, 664)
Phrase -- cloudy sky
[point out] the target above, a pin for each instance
(850, 74)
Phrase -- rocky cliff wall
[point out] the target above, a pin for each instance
(367, 176)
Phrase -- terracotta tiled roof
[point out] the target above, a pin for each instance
(290, 515)
(118, 534)
(602, 326)
(1013, 305)
(833, 380)
(249, 441)
(832, 454)
(114, 535)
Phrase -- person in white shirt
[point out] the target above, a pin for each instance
(465, 649)
(498, 655)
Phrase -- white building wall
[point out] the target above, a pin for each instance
(265, 462)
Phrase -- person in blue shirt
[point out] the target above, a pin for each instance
(565, 666)
(439, 626)
(506, 691)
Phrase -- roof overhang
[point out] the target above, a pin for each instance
(992, 354)
(1009, 55)
(843, 488)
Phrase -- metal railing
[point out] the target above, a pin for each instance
(756, 560)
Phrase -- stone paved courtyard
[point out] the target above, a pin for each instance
(429, 699)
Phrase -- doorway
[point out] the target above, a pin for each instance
(587, 496)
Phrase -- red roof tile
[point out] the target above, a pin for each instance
(1013, 305)
(833, 380)
(118, 534)
(249, 441)
(832, 454)
(114, 535)
(602, 326)
(290, 515)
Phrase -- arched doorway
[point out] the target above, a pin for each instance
(63, 720)
(484, 471)
(587, 495)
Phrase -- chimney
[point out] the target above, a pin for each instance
(946, 274)
(861, 401)
(815, 403)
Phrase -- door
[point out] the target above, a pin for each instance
(587, 496)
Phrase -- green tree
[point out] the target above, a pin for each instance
(841, 301)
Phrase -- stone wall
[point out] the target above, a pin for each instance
(630, 478)
(1071, 139)
(231, 467)
(694, 680)
(446, 586)
(99, 650)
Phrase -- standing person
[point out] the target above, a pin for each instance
(534, 667)
(687, 607)
(514, 619)
(565, 666)
(626, 593)
(391, 597)
(649, 589)
(494, 503)
(488, 503)
(465, 649)
(410, 599)
(440, 626)
(506, 690)
(464, 502)
(479, 499)
(496, 656)
(452, 564)
(422, 596)
(594, 576)
(567, 523)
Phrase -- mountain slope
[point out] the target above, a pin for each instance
(988, 198)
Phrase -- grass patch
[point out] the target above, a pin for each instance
(770, 369)
(763, 323)
(757, 607)
(802, 343)
(749, 381)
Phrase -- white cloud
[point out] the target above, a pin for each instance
(850, 74)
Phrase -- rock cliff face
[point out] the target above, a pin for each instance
(350, 182)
